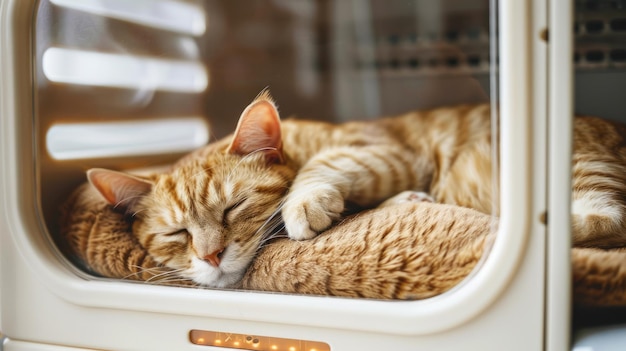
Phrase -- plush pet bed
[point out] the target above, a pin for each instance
(438, 251)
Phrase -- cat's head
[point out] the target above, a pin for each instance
(208, 216)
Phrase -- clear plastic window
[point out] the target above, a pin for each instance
(126, 86)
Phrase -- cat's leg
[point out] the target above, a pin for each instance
(362, 175)
(598, 183)
(598, 219)
(468, 181)
(407, 196)
(598, 193)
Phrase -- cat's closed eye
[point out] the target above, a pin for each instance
(177, 234)
(228, 215)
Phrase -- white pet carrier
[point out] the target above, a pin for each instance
(121, 83)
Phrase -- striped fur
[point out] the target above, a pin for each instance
(367, 162)
(208, 217)
(599, 183)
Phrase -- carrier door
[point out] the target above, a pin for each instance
(124, 85)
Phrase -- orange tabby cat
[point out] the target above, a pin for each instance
(208, 217)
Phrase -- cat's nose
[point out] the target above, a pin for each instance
(214, 258)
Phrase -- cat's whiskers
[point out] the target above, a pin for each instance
(269, 230)
(162, 276)
(273, 228)
(170, 280)
(275, 235)
(272, 218)
(141, 270)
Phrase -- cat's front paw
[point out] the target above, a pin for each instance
(308, 213)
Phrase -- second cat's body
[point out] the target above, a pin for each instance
(208, 217)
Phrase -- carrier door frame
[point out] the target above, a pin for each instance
(24, 229)
(560, 130)
(16, 81)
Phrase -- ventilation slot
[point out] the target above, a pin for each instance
(618, 55)
(600, 34)
(594, 27)
(115, 139)
(594, 56)
(123, 71)
(618, 25)
(138, 86)
(170, 15)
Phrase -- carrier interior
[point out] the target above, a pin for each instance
(600, 82)
(326, 60)
(126, 85)
(123, 85)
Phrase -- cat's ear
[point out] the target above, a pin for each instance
(119, 189)
(258, 130)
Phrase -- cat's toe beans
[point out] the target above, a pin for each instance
(419, 196)
(307, 221)
(408, 196)
(304, 234)
(320, 220)
(323, 212)
(296, 223)
(299, 230)
(308, 214)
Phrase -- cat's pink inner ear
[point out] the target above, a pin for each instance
(258, 130)
(119, 189)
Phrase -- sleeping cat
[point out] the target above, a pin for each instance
(208, 216)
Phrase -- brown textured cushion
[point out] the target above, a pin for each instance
(599, 276)
(344, 261)
(99, 240)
